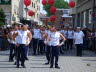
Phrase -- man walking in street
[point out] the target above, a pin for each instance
(78, 40)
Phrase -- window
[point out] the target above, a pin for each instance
(37, 7)
(84, 22)
(34, 5)
(90, 17)
(37, 15)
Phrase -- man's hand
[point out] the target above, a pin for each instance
(26, 44)
(59, 45)
(17, 45)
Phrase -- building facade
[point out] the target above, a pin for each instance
(63, 18)
(15, 10)
(34, 6)
(84, 13)
(6, 6)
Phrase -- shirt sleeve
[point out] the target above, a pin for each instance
(74, 36)
(83, 34)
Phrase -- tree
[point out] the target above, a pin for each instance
(58, 4)
(2, 17)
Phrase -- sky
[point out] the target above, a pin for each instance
(41, 6)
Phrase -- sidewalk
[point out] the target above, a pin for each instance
(68, 63)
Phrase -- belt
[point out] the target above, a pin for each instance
(20, 44)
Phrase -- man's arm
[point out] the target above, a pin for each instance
(30, 36)
(14, 35)
(45, 36)
(62, 37)
(63, 40)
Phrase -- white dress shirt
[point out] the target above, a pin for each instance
(55, 38)
(78, 37)
(70, 34)
(36, 33)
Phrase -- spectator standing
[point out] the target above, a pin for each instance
(78, 40)
(1, 38)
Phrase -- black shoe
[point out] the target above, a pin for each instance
(62, 52)
(23, 66)
(51, 66)
(11, 60)
(34, 53)
(47, 63)
(17, 67)
(57, 67)
(26, 58)
(15, 63)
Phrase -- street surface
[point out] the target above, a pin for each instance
(68, 63)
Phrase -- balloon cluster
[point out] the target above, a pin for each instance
(52, 9)
(27, 3)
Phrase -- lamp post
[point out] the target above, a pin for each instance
(27, 3)
(26, 9)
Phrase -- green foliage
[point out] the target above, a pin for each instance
(58, 4)
(2, 17)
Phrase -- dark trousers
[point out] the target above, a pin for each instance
(26, 50)
(85, 43)
(1, 39)
(12, 52)
(21, 54)
(41, 47)
(35, 45)
(79, 49)
(69, 43)
(54, 55)
(48, 53)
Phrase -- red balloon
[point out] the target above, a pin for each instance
(52, 9)
(50, 2)
(72, 4)
(30, 13)
(52, 18)
(27, 2)
(44, 2)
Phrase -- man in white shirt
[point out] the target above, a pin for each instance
(23, 41)
(36, 33)
(78, 40)
(65, 31)
(61, 48)
(55, 43)
(41, 41)
(46, 37)
(70, 38)
(12, 44)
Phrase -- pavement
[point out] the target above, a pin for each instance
(68, 63)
